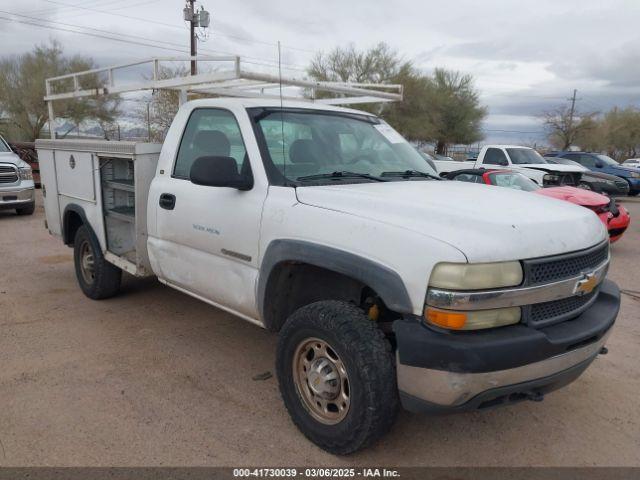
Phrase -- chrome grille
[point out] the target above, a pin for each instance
(548, 313)
(560, 267)
(8, 174)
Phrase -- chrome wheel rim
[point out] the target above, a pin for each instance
(87, 265)
(321, 380)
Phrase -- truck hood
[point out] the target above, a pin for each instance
(485, 223)
(617, 168)
(551, 167)
(575, 195)
(10, 157)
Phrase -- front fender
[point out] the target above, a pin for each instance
(386, 282)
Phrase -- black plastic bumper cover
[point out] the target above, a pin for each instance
(506, 347)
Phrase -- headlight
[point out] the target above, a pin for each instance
(550, 177)
(470, 276)
(26, 173)
(473, 320)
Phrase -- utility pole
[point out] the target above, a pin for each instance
(573, 105)
(193, 38)
(572, 111)
(149, 121)
(195, 19)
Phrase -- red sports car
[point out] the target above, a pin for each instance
(615, 217)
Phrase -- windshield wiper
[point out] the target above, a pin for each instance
(409, 174)
(341, 174)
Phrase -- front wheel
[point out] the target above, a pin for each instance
(337, 376)
(98, 278)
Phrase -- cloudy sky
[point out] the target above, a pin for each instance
(526, 56)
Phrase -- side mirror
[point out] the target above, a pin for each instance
(218, 172)
(599, 165)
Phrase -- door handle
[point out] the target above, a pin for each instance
(167, 201)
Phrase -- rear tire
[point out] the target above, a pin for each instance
(337, 376)
(28, 210)
(98, 278)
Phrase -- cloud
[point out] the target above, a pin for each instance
(526, 56)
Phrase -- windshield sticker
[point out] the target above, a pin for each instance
(389, 133)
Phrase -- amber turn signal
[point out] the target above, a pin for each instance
(441, 318)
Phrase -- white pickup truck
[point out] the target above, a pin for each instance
(387, 285)
(17, 190)
(524, 160)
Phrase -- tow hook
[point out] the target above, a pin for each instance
(535, 396)
(604, 351)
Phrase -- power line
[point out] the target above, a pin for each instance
(51, 27)
(171, 25)
(70, 7)
(144, 42)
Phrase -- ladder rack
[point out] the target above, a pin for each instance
(229, 78)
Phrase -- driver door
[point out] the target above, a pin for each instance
(206, 239)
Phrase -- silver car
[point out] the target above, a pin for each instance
(17, 190)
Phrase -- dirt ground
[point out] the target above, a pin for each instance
(156, 378)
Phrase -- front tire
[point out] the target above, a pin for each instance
(98, 278)
(337, 376)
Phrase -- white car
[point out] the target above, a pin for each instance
(632, 162)
(387, 284)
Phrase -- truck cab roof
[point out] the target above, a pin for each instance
(271, 103)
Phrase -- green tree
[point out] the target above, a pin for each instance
(22, 91)
(453, 104)
(443, 108)
(622, 127)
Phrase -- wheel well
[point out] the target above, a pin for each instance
(292, 285)
(72, 222)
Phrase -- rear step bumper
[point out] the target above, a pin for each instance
(467, 381)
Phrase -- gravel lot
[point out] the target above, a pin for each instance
(154, 377)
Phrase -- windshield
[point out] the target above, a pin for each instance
(607, 160)
(305, 145)
(515, 181)
(525, 156)
(4, 148)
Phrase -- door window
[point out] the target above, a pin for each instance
(210, 132)
(584, 160)
(469, 177)
(495, 156)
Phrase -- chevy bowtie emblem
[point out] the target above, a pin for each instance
(586, 284)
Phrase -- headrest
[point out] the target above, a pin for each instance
(304, 151)
(213, 143)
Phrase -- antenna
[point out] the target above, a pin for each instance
(284, 156)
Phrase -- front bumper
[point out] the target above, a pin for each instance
(618, 225)
(619, 188)
(634, 184)
(16, 197)
(442, 372)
